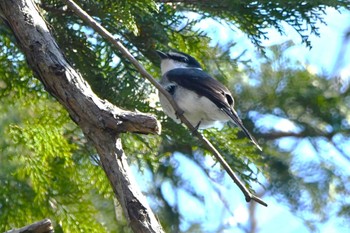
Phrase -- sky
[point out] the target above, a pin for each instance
(225, 203)
(321, 57)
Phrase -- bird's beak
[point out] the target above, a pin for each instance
(162, 55)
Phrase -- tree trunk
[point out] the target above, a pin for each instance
(100, 121)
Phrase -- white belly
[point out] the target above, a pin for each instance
(196, 108)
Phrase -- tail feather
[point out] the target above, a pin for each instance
(235, 118)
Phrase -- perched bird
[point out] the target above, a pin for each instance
(203, 99)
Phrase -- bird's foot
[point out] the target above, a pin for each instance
(179, 114)
(196, 127)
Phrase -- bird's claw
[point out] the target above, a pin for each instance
(196, 128)
(179, 113)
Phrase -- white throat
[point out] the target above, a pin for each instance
(168, 64)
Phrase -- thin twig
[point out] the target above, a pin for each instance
(109, 37)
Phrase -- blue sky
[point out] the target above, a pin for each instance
(324, 48)
(277, 217)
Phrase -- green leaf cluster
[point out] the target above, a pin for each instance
(46, 168)
(254, 17)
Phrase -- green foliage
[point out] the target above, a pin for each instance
(316, 106)
(47, 169)
(254, 17)
(238, 152)
(43, 173)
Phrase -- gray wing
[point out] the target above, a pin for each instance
(204, 85)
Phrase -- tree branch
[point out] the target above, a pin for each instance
(279, 134)
(109, 37)
(100, 121)
(43, 226)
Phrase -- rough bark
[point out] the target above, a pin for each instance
(100, 121)
(43, 226)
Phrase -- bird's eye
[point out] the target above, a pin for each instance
(180, 58)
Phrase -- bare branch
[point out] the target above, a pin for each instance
(43, 226)
(108, 36)
(279, 134)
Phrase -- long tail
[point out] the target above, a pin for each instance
(235, 118)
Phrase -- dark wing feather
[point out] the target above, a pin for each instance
(204, 85)
(233, 115)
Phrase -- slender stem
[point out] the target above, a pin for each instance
(108, 36)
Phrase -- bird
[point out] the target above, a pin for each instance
(203, 99)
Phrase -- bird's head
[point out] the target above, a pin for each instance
(174, 60)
